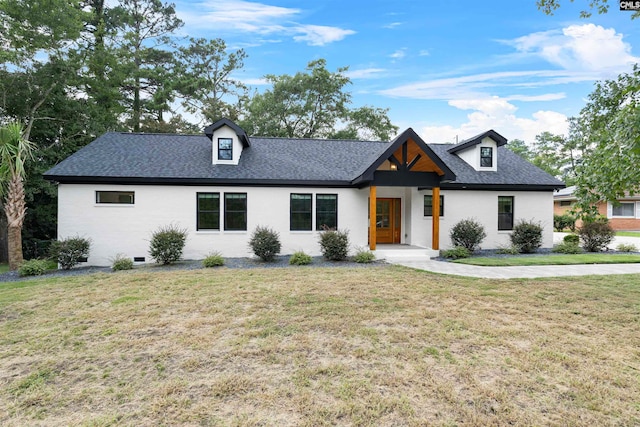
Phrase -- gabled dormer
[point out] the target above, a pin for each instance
(481, 151)
(227, 142)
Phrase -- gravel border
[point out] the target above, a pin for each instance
(234, 263)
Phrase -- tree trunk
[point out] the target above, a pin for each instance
(4, 251)
(15, 247)
(15, 207)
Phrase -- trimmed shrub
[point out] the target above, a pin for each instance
(562, 222)
(167, 244)
(121, 262)
(300, 258)
(622, 247)
(468, 233)
(572, 238)
(455, 253)
(33, 267)
(265, 243)
(214, 259)
(364, 256)
(334, 244)
(567, 248)
(68, 252)
(596, 235)
(527, 236)
(508, 250)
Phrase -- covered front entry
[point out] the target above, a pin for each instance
(407, 162)
(388, 220)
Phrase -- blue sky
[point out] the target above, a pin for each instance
(444, 68)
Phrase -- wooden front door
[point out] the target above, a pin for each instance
(388, 221)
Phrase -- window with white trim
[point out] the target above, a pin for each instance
(624, 209)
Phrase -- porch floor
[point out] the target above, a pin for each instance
(405, 252)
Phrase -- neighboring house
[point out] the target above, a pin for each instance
(624, 215)
(221, 185)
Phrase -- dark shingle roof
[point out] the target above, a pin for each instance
(511, 170)
(157, 158)
(165, 156)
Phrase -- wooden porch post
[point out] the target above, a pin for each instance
(435, 216)
(372, 217)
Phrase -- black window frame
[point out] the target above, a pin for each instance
(429, 212)
(225, 150)
(200, 212)
(506, 219)
(228, 212)
(565, 203)
(99, 201)
(321, 213)
(307, 211)
(483, 156)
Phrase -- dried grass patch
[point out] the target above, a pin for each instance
(375, 346)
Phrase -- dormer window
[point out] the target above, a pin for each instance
(225, 149)
(486, 157)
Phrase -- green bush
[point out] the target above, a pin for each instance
(455, 253)
(508, 250)
(596, 234)
(622, 247)
(334, 244)
(567, 248)
(572, 238)
(265, 243)
(167, 244)
(364, 256)
(214, 259)
(68, 252)
(562, 222)
(527, 236)
(300, 258)
(121, 262)
(468, 233)
(33, 267)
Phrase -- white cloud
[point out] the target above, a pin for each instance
(472, 86)
(424, 52)
(580, 53)
(318, 35)
(257, 18)
(399, 54)
(365, 73)
(500, 115)
(255, 81)
(392, 25)
(579, 47)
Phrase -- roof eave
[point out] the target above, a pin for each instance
(499, 139)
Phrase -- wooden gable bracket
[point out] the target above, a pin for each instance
(405, 165)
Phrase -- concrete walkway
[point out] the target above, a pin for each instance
(524, 272)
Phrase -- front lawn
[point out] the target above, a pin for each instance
(323, 346)
(560, 259)
(628, 233)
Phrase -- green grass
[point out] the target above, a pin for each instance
(4, 268)
(628, 233)
(375, 346)
(588, 258)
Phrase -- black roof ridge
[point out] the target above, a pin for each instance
(316, 139)
(157, 133)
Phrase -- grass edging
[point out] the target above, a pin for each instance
(588, 258)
